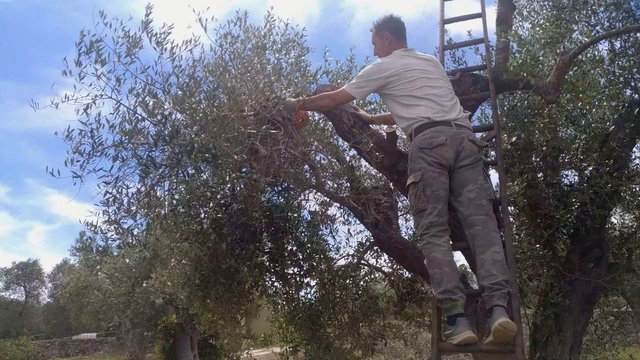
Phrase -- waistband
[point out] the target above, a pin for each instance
(431, 124)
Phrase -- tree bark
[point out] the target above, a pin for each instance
(567, 304)
(504, 26)
(186, 342)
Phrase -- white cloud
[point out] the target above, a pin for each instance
(19, 116)
(41, 240)
(366, 11)
(7, 223)
(4, 193)
(299, 12)
(369, 10)
(50, 259)
(22, 238)
(7, 257)
(68, 208)
(64, 207)
(47, 242)
(38, 233)
(41, 224)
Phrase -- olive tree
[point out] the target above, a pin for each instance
(174, 131)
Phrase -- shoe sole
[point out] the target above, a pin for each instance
(502, 332)
(466, 338)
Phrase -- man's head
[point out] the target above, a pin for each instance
(388, 34)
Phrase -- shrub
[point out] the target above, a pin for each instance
(17, 349)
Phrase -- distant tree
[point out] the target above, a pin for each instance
(24, 280)
(192, 245)
(23, 285)
(56, 318)
(57, 277)
(80, 287)
(12, 325)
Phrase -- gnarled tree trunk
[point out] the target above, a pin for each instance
(186, 340)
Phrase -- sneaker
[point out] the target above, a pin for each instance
(459, 334)
(500, 328)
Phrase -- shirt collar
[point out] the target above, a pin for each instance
(404, 50)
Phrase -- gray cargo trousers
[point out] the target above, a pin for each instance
(445, 165)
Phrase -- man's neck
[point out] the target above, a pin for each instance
(399, 46)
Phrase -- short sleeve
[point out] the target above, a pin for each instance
(371, 79)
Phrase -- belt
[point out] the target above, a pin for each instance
(431, 124)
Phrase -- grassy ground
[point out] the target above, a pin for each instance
(630, 353)
(265, 356)
(95, 357)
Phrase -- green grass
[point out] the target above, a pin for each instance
(628, 353)
(103, 357)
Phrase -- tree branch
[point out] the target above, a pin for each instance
(370, 144)
(376, 269)
(504, 25)
(550, 90)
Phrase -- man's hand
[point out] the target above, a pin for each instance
(300, 119)
(291, 105)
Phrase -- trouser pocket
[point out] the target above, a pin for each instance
(480, 144)
(416, 193)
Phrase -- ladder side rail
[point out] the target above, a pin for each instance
(436, 326)
(436, 317)
(441, 43)
(504, 198)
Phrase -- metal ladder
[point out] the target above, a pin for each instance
(438, 346)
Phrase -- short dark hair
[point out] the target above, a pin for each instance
(392, 24)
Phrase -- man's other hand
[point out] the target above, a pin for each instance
(291, 105)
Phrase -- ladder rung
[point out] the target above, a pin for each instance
(472, 292)
(478, 96)
(467, 69)
(482, 128)
(462, 44)
(490, 162)
(461, 18)
(489, 136)
(461, 246)
(446, 347)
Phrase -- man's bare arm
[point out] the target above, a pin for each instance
(382, 119)
(331, 99)
(326, 101)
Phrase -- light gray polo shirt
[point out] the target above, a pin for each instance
(414, 87)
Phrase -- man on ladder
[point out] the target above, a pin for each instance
(445, 166)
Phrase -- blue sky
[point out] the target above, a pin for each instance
(40, 216)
